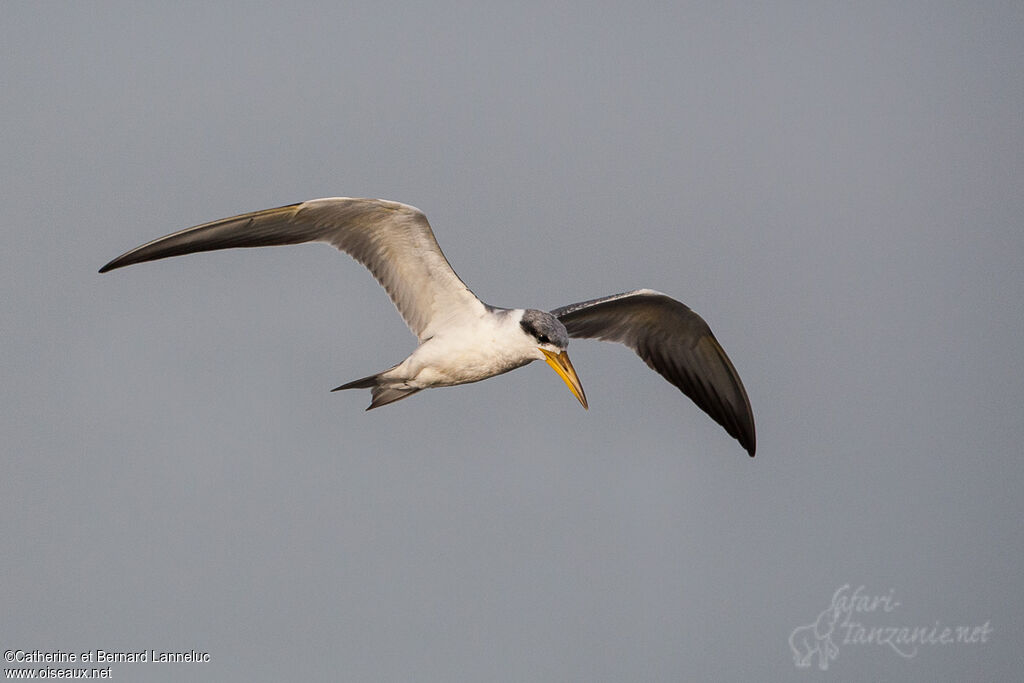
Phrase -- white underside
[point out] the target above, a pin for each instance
(469, 351)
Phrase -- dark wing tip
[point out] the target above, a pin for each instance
(749, 438)
(137, 255)
(254, 229)
(732, 405)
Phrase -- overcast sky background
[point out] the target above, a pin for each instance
(835, 187)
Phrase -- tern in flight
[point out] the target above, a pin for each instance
(462, 339)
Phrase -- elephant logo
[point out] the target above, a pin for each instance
(813, 638)
(816, 638)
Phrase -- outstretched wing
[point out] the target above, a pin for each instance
(394, 241)
(676, 343)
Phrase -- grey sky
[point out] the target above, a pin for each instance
(835, 187)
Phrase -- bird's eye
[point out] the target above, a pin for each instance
(543, 339)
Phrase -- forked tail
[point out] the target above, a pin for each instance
(382, 392)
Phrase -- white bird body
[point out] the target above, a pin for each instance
(462, 339)
(477, 348)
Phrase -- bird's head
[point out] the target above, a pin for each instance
(551, 339)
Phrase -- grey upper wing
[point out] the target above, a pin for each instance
(675, 342)
(394, 241)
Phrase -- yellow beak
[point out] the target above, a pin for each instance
(561, 364)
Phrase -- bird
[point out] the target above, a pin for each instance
(462, 339)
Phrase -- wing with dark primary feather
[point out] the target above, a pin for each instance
(675, 342)
(394, 241)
